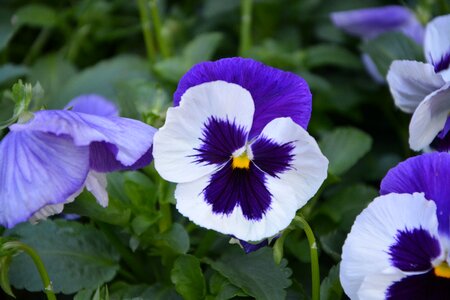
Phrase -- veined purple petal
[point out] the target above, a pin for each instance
(93, 104)
(220, 139)
(427, 173)
(132, 139)
(245, 188)
(38, 169)
(271, 157)
(368, 23)
(419, 287)
(275, 93)
(414, 250)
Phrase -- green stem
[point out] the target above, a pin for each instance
(146, 30)
(315, 271)
(246, 21)
(163, 46)
(48, 289)
(37, 46)
(164, 207)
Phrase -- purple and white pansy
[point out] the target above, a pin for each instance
(423, 89)
(236, 145)
(48, 160)
(369, 23)
(398, 247)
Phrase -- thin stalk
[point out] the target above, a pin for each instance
(164, 207)
(315, 271)
(246, 22)
(48, 288)
(147, 32)
(163, 45)
(37, 46)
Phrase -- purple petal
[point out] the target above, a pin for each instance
(130, 139)
(442, 141)
(220, 139)
(414, 250)
(246, 188)
(271, 157)
(275, 93)
(418, 287)
(428, 174)
(249, 247)
(94, 105)
(368, 23)
(38, 169)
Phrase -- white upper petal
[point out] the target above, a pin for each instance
(175, 142)
(410, 82)
(365, 251)
(374, 287)
(429, 118)
(309, 166)
(437, 38)
(38, 169)
(96, 184)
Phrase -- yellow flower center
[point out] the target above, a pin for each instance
(241, 162)
(443, 270)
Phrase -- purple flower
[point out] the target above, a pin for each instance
(368, 23)
(424, 88)
(237, 147)
(398, 246)
(48, 160)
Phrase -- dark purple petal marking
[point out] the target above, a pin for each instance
(246, 188)
(249, 247)
(414, 250)
(420, 287)
(427, 173)
(442, 141)
(276, 93)
(443, 63)
(220, 139)
(102, 158)
(271, 157)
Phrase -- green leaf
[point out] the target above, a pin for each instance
(222, 289)
(5, 263)
(103, 78)
(76, 256)
(21, 94)
(331, 289)
(188, 278)
(101, 293)
(389, 47)
(200, 49)
(7, 28)
(35, 15)
(10, 72)
(123, 291)
(330, 55)
(176, 239)
(343, 206)
(344, 147)
(332, 243)
(255, 273)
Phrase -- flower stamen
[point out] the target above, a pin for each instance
(241, 162)
(443, 270)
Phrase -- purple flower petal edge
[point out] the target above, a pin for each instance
(276, 93)
(427, 173)
(93, 104)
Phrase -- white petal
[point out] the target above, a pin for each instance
(96, 184)
(191, 203)
(175, 143)
(374, 287)
(410, 82)
(437, 39)
(365, 251)
(309, 165)
(429, 118)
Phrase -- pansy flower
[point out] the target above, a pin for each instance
(398, 247)
(424, 88)
(236, 145)
(369, 23)
(48, 160)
